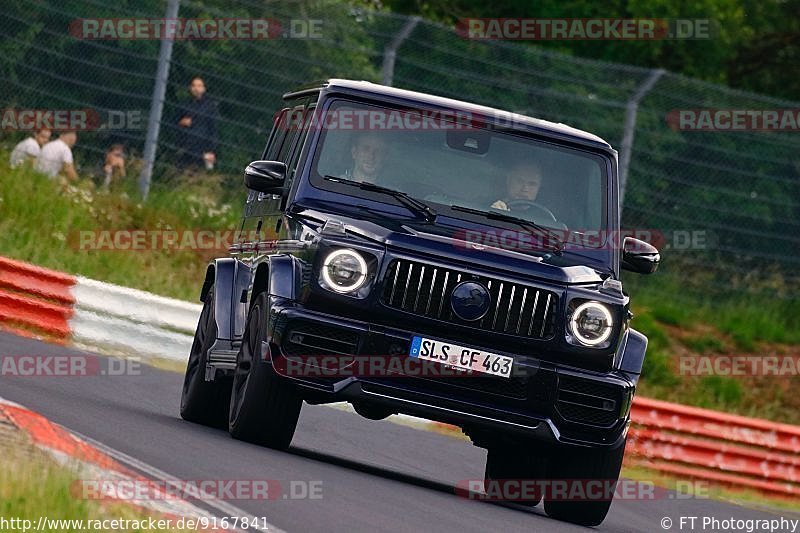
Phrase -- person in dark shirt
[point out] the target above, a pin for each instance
(522, 185)
(198, 124)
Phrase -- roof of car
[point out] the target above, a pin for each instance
(353, 86)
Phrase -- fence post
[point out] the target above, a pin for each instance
(390, 53)
(157, 104)
(630, 129)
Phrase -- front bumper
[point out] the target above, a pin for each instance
(542, 401)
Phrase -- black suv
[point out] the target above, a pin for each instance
(414, 254)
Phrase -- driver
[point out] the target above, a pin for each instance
(368, 152)
(522, 184)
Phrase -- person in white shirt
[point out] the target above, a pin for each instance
(29, 149)
(56, 156)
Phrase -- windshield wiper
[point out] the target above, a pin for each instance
(558, 247)
(412, 204)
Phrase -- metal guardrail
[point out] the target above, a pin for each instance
(132, 322)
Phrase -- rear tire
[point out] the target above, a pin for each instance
(587, 465)
(204, 402)
(264, 407)
(510, 465)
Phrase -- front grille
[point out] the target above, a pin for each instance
(425, 290)
(588, 402)
(303, 338)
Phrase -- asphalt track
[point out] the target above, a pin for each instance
(375, 476)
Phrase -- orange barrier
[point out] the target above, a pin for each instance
(35, 300)
(718, 447)
(716, 425)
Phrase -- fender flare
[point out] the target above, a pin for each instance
(280, 274)
(230, 278)
(634, 350)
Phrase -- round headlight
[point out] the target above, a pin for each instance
(591, 323)
(344, 270)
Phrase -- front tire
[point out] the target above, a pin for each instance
(264, 407)
(580, 467)
(204, 402)
(509, 466)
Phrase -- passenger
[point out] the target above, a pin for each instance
(368, 152)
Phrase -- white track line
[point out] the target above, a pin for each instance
(225, 508)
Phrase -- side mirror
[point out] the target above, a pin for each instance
(265, 176)
(639, 256)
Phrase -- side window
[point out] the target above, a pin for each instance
(284, 144)
(293, 125)
(303, 133)
(277, 136)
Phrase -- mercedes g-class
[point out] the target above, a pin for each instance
(415, 254)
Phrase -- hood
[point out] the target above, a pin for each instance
(446, 241)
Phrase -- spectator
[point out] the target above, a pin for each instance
(28, 150)
(114, 165)
(56, 156)
(199, 128)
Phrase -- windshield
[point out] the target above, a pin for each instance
(447, 163)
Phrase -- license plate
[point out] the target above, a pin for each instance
(461, 357)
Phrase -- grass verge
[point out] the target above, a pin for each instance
(73, 228)
(32, 485)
